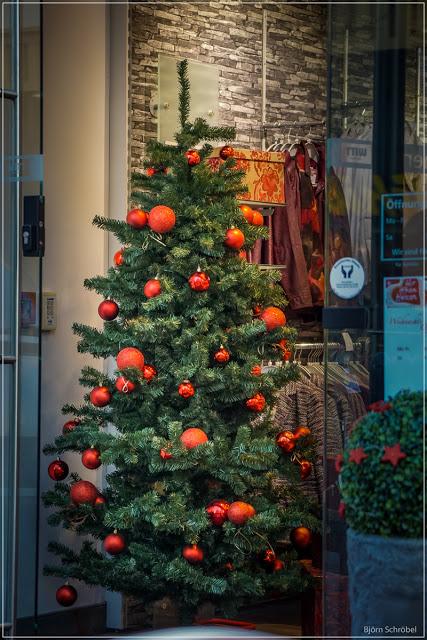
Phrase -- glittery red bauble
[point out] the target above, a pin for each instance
(234, 238)
(91, 458)
(273, 318)
(302, 432)
(300, 537)
(149, 372)
(193, 437)
(108, 310)
(247, 211)
(226, 152)
(192, 553)
(222, 355)
(66, 595)
(70, 426)
(124, 385)
(199, 281)
(305, 469)
(83, 492)
(186, 389)
(161, 219)
(286, 441)
(257, 219)
(58, 470)
(100, 396)
(165, 455)
(217, 511)
(278, 565)
(114, 544)
(240, 512)
(152, 288)
(130, 357)
(118, 258)
(256, 403)
(256, 370)
(100, 501)
(193, 157)
(137, 218)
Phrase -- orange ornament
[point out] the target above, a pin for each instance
(161, 219)
(124, 385)
(239, 512)
(149, 372)
(300, 537)
(186, 389)
(137, 218)
(222, 355)
(226, 152)
(305, 469)
(165, 455)
(130, 357)
(118, 257)
(256, 403)
(193, 157)
(247, 212)
(301, 432)
(234, 238)
(278, 565)
(152, 288)
(199, 281)
(286, 441)
(257, 219)
(273, 318)
(193, 437)
(91, 458)
(192, 553)
(256, 370)
(100, 396)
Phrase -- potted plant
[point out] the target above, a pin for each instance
(381, 484)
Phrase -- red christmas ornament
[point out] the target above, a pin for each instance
(226, 152)
(151, 171)
(70, 426)
(393, 454)
(118, 258)
(152, 288)
(357, 455)
(165, 455)
(273, 318)
(256, 370)
(58, 470)
(91, 458)
(222, 355)
(256, 403)
(234, 238)
(186, 389)
(124, 385)
(149, 372)
(229, 566)
(286, 441)
(100, 501)
(100, 396)
(278, 565)
(137, 218)
(301, 432)
(192, 553)
(199, 281)
(161, 219)
(305, 469)
(247, 211)
(240, 512)
(268, 558)
(341, 510)
(193, 157)
(66, 595)
(217, 511)
(114, 544)
(193, 437)
(108, 310)
(339, 461)
(380, 406)
(257, 218)
(83, 492)
(242, 255)
(287, 355)
(130, 357)
(300, 537)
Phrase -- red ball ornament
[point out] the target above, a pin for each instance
(151, 171)
(199, 281)
(273, 318)
(257, 219)
(217, 511)
(302, 432)
(165, 455)
(114, 544)
(192, 553)
(193, 437)
(186, 389)
(286, 441)
(100, 396)
(226, 152)
(58, 470)
(118, 258)
(161, 219)
(305, 469)
(278, 565)
(257, 310)
(108, 310)
(256, 403)
(100, 501)
(240, 512)
(70, 426)
(83, 492)
(268, 558)
(300, 537)
(247, 211)
(130, 357)
(137, 218)
(234, 238)
(193, 157)
(152, 288)
(256, 370)
(149, 372)
(66, 595)
(91, 458)
(222, 355)
(124, 385)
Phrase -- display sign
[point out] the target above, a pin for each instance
(401, 222)
(347, 278)
(404, 339)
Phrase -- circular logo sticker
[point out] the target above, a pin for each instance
(347, 278)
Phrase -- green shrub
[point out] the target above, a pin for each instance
(381, 498)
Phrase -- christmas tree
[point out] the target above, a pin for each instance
(203, 486)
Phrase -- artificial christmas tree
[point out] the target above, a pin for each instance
(200, 484)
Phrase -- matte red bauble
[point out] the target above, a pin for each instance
(256, 370)
(118, 258)
(234, 238)
(149, 372)
(248, 213)
(273, 317)
(83, 492)
(58, 470)
(66, 595)
(91, 458)
(161, 219)
(226, 152)
(70, 426)
(257, 219)
(240, 512)
(279, 565)
(199, 281)
(300, 537)
(192, 553)
(268, 558)
(130, 357)
(100, 396)
(256, 403)
(193, 437)
(222, 355)
(152, 288)
(186, 389)
(165, 455)
(302, 432)
(286, 441)
(114, 544)
(217, 511)
(100, 501)
(137, 218)
(108, 310)
(305, 469)
(193, 157)
(124, 385)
